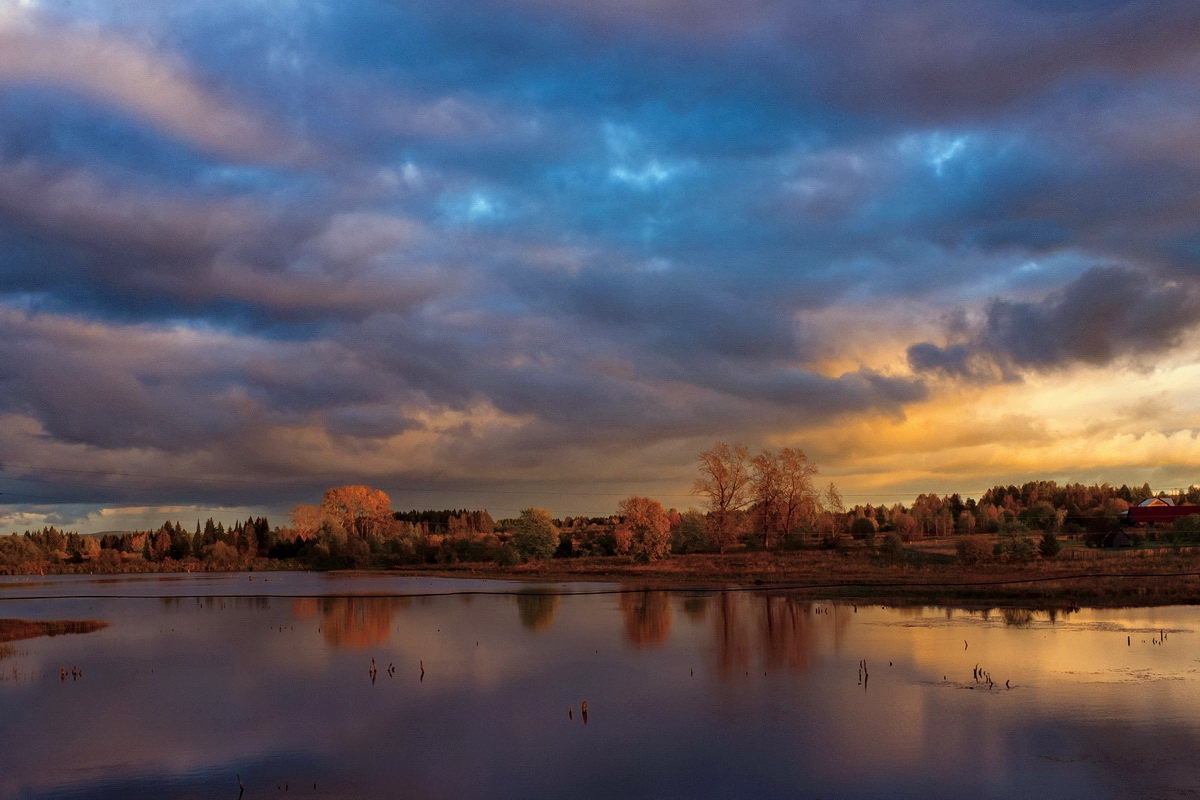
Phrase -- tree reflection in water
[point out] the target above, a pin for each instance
(351, 623)
(536, 608)
(647, 617)
(1017, 617)
(696, 606)
(771, 631)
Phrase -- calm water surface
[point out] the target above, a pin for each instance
(200, 679)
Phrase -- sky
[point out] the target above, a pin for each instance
(543, 252)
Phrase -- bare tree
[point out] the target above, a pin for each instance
(835, 508)
(767, 484)
(783, 491)
(798, 496)
(725, 481)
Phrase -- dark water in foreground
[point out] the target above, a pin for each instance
(722, 695)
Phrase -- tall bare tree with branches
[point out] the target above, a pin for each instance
(725, 479)
(783, 491)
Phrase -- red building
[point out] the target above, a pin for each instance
(1158, 511)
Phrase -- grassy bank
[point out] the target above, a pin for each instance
(12, 630)
(1138, 578)
(924, 572)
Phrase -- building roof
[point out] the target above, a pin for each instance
(1156, 501)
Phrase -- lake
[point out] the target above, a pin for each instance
(201, 681)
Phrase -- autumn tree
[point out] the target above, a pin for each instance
(725, 479)
(306, 519)
(692, 534)
(91, 547)
(903, 524)
(534, 535)
(1042, 516)
(358, 509)
(783, 491)
(864, 528)
(1049, 546)
(766, 485)
(647, 526)
(832, 500)
(972, 550)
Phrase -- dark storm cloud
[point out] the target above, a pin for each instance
(115, 387)
(682, 316)
(952, 360)
(947, 57)
(1107, 314)
(531, 232)
(930, 59)
(104, 244)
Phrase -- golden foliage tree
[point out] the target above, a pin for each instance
(358, 509)
(306, 519)
(647, 526)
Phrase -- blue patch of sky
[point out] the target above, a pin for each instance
(477, 207)
(701, 105)
(61, 127)
(63, 130)
(951, 178)
(1184, 250)
(40, 272)
(1025, 275)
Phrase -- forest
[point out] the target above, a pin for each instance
(763, 502)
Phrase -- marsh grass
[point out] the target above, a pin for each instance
(12, 630)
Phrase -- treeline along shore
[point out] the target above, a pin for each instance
(764, 521)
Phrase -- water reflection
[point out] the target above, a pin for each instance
(351, 623)
(1017, 617)
(695, 606)
(772, 631)
(647, 617)
(724, 694)
(536, 608)
(787, 632)
(216, 603)
(732, 637)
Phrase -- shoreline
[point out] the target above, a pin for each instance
(1109, 580)
(1122, 580)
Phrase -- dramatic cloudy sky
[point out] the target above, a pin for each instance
(513, 252)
